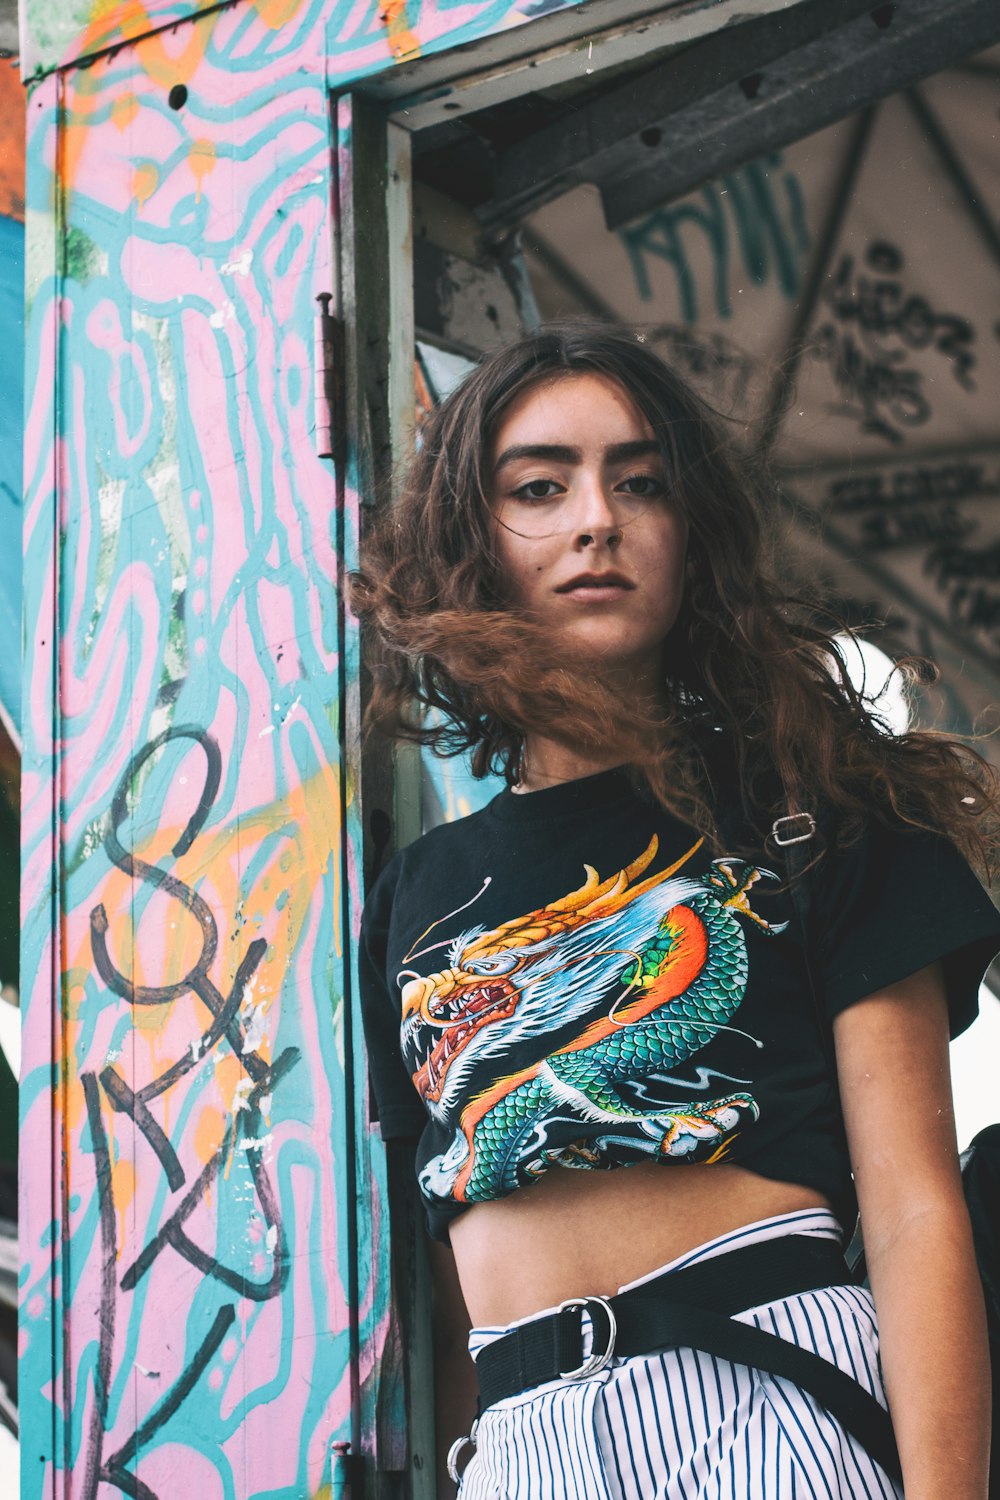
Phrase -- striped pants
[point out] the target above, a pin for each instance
(686, 1426)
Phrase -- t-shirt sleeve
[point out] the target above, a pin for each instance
(395, 1102)
(893, 903)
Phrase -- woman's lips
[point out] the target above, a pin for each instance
(595, 593)
(595, 588)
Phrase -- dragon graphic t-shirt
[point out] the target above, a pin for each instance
(571, 978)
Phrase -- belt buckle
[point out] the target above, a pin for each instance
(598, 1361)
(795, 821)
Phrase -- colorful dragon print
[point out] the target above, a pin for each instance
(630, 977)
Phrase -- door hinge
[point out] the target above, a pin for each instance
(343, 1472)
(328, 379)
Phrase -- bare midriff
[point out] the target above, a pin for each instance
(574, 1234)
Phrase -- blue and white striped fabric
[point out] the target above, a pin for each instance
(686, 1426)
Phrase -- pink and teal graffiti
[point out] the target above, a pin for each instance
(204, 1283)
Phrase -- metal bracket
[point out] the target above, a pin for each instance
(327, 379)
(793, 828)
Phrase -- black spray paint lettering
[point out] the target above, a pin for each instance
(967, 563)
(875, 326)
(965, 574)
(923, 483)
(916, 526)
(887, 397)
(243, 1126)
(708, 356)
(879, 306)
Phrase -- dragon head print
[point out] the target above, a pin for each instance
(516, 984)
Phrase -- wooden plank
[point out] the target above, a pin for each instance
(376, 305)
(42, 1224)
(186, 1229)
(565, 45)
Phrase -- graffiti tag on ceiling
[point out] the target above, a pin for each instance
(756, 214)
(711, 360)
(965, 575)
(916, 505)
(874, 328)
(961, 479)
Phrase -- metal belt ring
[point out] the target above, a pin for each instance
(593, 1362)
(455, 1450)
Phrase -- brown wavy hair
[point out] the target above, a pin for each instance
(753, 680)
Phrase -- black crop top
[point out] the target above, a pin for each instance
(572, 978)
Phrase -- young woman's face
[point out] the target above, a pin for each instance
(589, 539)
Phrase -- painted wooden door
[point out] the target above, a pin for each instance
(204, 1297)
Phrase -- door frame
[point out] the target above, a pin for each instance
(374, 120)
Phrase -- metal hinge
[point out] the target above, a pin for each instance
(343, 1471)
(328, 378)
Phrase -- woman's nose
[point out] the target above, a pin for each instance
(596, 518)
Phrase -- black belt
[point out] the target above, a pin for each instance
(693, 1309)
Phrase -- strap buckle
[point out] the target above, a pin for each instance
(793, 828)
(594, 1361)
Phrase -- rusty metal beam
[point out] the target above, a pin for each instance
(747, 90)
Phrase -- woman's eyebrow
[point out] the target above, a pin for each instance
(555, 453)
(559, 454)
(622, 452)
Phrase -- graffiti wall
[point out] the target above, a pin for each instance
(184, 810)
(12, 109)
(204, 1293)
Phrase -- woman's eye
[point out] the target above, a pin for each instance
(642, 484)
(537, 489)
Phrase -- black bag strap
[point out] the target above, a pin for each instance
(858, 1412)
(798, 850)
(692, 1309)
(794, 834)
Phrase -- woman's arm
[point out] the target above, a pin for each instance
(892, 1062)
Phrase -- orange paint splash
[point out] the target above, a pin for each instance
(169, 943)
(209, 1133)
(275, 13)
(122, 1194)
(201, 159)
(166, 57)
(159, 56)
(145, 181)
(228, 1074)
(403, 42)
(124, 110)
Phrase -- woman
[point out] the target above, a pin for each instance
(604, 968)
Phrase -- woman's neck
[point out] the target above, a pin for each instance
(547, 762)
